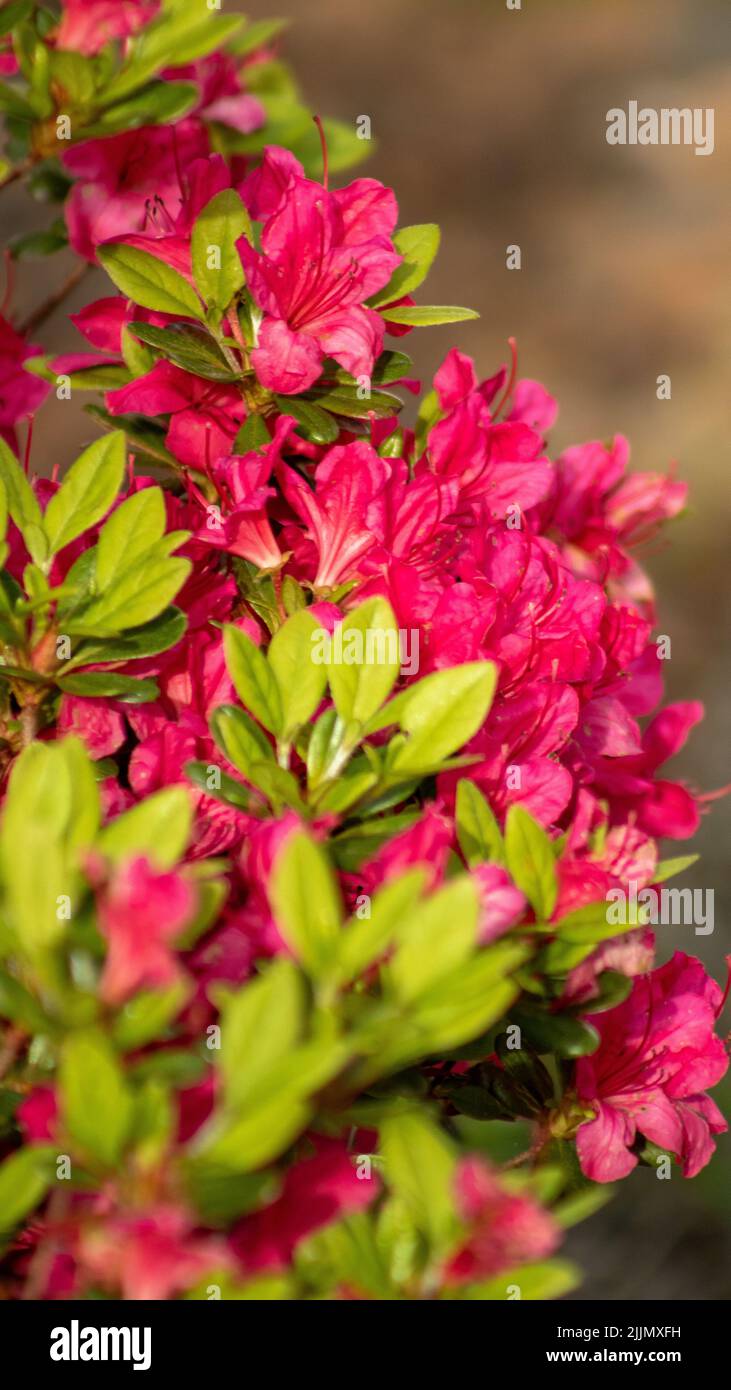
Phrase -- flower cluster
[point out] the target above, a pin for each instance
(323, 738)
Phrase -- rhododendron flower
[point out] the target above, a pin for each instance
(504, 1229)
(205, 415)
(657, 1055)
(20, 393)
(123, 179)
(322, 255)
(141, 912)
(316, 1190)
(151, 1255)
(344, 512)
(88, 25)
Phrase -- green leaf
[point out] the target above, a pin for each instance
(257, 35)
(421, 1164)
(15, 105)
(260, 1024)
(109, 684)
(148, 281)
(158, 827)
(418, 246)
(215, 233)
(478, 832)
(131, 530)
(306, 902)
(148, 640)
(363, 941)
(87, 492)
(364, 660)
(313, 423)
(668, 868)
(433, 940)
(537, 1282)
(147, 1016)
(425, 315)
(25, 1178)
(442, 712)
(161, 103)
(188, 347)
(14, 12)
(23, 504)
(253, 436)
(138, 595)
(95, 1101)
(559, 1033)
(182, 34)
(253, 678)
(300, 679)
(531, 862)
(345, 400)
(240, 739)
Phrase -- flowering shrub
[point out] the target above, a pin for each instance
(320, 734)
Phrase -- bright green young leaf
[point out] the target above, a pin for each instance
(364, 941)
(478, 832)
(300, 678)
(540, 1282)
(421, 1163)
(147, 1015)
(426, 315)
(254, 680)
(182, 32)
(364, 660)
(25, 1177)
(87, 492)
(138, 595)
(217, 267)
(531, 862)
(131, 530)
(418, 246)
(668, 868)
(442, 712)
(23, 504)
(306, 902)
(240, 739)
(158, 827)
(439, 935)
(161, 103)
(260, 1024)
(150, 282)
(95, 1101)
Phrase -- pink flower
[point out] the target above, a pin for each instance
(344, 512)
(316, 1191)
(504, 1229)
(148, 1255)
(657, 1055)
(20, 393)
(240, 524)
(88, 25)
(501, 903)
(141, 912)
(124, 181)
(205, 415)
(322, 255)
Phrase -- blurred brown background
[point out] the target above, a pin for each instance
(492, 122)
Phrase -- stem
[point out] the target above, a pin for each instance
(11, 1047)
(28, 719)
(48, 306)
(18, 172)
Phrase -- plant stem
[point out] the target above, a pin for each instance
(53, 301)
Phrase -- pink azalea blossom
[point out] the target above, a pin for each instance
(153, 1255)
(316, 1190)
(20, 393)
(657, 1055)
(323, 254)
(141, 912)
(344, 512)
(87, 26)
(504, 1229)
